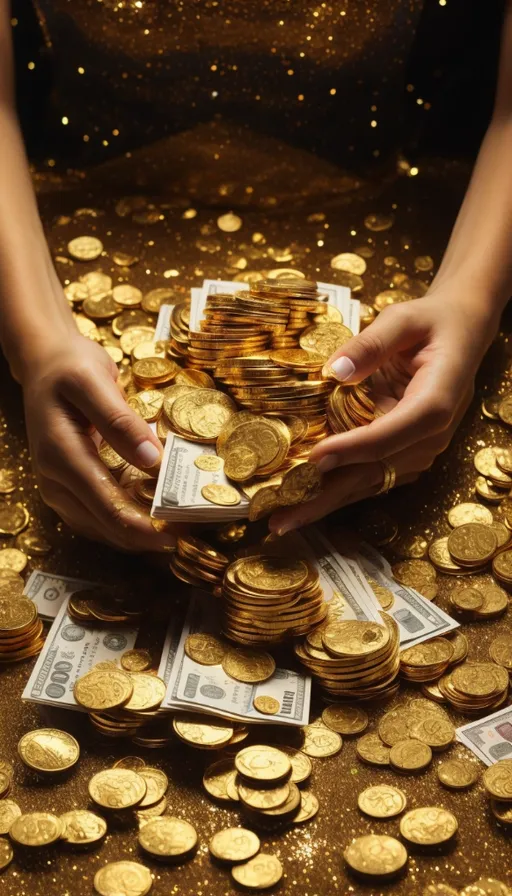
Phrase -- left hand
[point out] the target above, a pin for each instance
(422, 358)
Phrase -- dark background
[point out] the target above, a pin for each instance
(453, 67)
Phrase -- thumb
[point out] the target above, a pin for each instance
(101, 402)
(394, 330)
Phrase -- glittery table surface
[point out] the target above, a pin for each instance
(189, 249)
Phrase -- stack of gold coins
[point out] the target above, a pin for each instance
(353, 659)
(119, 703)
(197, 563)
(472, 545)
(426, 661)
(180, 320)
(104, 605)
(130, 786)
(266, 791)
(502, 568)
(349, 407)
(497, 781)
(150, 372)
(268, 599)
(21, 630)
(500, 651)
(475, 687)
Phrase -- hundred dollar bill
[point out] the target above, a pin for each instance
(178, 492)
(340, 575)
(417, 618)
(163, 324)
(71, 650)
(340, 298)
(209, 690)
(49, 591)
(490, 738)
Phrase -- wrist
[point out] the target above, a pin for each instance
(32, 351)
(480, 305)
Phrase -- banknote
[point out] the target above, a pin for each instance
(207, 689)
(71, 650)
(489, 738)
(163, 324)
(49, 591)
(339, 575)
(340, 298)
(178, 492)
(418, 619)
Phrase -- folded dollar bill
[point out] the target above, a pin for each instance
(208, 689)
(71, 650)
(178, 493)
(489, 738)
(163, 324)
(49, 591)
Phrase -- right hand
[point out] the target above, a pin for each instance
(69, 391)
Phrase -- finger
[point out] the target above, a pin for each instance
(393, 331)
(427, 407)
(102, 403)
(76, 516)
(120, 519)
(341, 487)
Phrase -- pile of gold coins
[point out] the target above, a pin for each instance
(475, 687)
(90, 605)
(267, 599)
(197, 563)
(497, 781)
(353, 659)
(350, 407)
(429, 660)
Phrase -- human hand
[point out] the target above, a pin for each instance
(422, 358)
(70, 390)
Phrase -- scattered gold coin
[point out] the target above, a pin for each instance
(49, 750)
(269, 706)
(309, 807)
(234, 845)
(9, 812)
(136, 660)
(260, 873)
(410, 756)
(206, 649)
(117, 788)
(458, 774)
(248, 665)
(263, 764)
(81, 827)
(123, 879)
(382, 801)
(428, 826)
(346, 720)
(36, 829)
(6, 853)
(376, 856)
(321, 742)
(168, 838)
(85, 248)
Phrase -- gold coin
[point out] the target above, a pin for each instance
(500, 650)
(497, 780)
(153, 811)
(376, 855)
(263, 798)
(486, 886)
(229, 222)
(325, 339)
(223, 495)
(440, 556)
(13, 559)
(13, 519)
(441, 890)
(110, 458)
(103, 689)
(85, 248)
(301, 764)
(126, 295)
(485, 462)
(263, 763)
(410, 755)
(502, 811)
(168, 837)
(205, 649)
(263, 871)
(36, 829)
(123, 879)
(309, 807)
(320, 742)
(345, 719)
(377, 222)
(488, 491)
(472, 544)
(269, 706)
(156, 783)
(234, 845)
(348, 261)
(136, 660)
(469, 513)
(216, 777)
(457, 774)
(433, 730)
(466, 598)
(354, 638)
(241, 463)
(135, 763)
(300, 484)
(81, 827)
(6, 853)
(272, 573)
(155, 298)
(248, 665)
(382, 801)
(7, 481)
(9, 812)
(148, 692)
(208, 462)
(17, 615)
(428, 826)
(117, 788)
(133, 334)
(196, 730)
(371, 749)
(49, 750)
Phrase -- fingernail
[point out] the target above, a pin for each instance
(342, 369)
(147, 454)
(328, 462)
